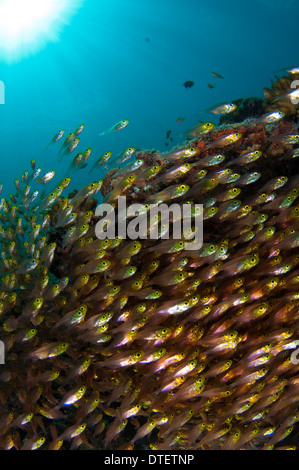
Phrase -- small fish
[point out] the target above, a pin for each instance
(293, 70)
(210, 160)
(144, 430)
(246, 158)
(249, 178)
(211, 86)
(217, 75)
(170, 192)
(125, 155)
(114, 429)
(188, 84)
(67, 141)
(117, 127)
(179, 154)
(73, 431)
(104, 158)
(199, 129)
(270, 118)
(49, 350)
(84, 158)
(176, 172)
(168, 133)
(180, 119)
(74, 144)
(33, 444)
(286, 139)
(224, 108)
(76, 163)
(56, 137)
(72, 396)
(225, 140)
(79, 129)
(47, 177)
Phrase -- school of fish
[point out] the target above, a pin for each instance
(141, 344)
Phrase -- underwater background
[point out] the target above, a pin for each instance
(120, 344)
(126, 59)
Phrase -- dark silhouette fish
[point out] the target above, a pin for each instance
(217, 75)
(188, 84)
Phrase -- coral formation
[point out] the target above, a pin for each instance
(121, 343)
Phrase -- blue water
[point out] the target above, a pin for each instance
(128, 59)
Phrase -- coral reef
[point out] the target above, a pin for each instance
(143, 344)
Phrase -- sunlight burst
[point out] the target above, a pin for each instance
(28, 25)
